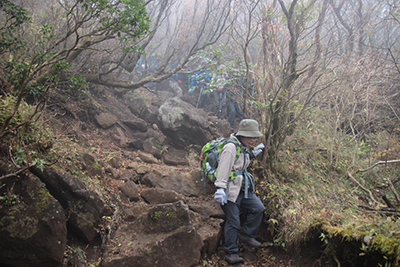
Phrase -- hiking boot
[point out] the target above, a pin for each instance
(249, 241)
(233, 258)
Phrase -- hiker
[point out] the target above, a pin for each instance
(233, 110)
(234, 97)
(173, 82)
(219, 84)
(219, 95)
(152, 68)
(199, 81)
(184, 79)
(239, 192)
(174, 85)
(140, 67)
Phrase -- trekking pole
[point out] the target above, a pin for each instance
(220, 112)
(220, 98)
(198, 100)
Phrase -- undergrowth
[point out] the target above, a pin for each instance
(27, 144)
(311, 183)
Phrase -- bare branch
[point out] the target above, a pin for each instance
(378, 163)
(363, 188)
(15, 174)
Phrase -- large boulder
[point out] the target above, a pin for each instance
(84, 207)
(140, 103)
(167, 235)
(106, 120)
(33, 230)
(160, 196)
(183, 124)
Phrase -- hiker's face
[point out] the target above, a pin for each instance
(249, 141)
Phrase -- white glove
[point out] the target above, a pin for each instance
(258, 149)
(220, 196)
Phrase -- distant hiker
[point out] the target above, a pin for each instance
(152, 68)
(173, 82)
(152, 64)
(218, 86)
(233, 194)
(234, 101)
(233, 108)
(184, 79)
(199, 81)
(174, 85)
(140, 67)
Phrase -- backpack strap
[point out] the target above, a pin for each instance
(246, 176)
(233, 174)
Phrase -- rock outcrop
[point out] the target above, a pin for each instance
(183, 124)
(33, 228)
(84, 208)
(167, 235)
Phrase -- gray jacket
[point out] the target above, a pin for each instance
(227, 163)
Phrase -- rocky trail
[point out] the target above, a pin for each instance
(266, 256)
(129, 184)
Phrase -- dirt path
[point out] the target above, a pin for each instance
(271, 257)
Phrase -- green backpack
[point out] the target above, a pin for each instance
(209, 159)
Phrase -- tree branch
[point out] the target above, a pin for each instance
(16, 173)
(378, 163)
(363, 188)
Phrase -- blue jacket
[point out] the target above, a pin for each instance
(200, 80)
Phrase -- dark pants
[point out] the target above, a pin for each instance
(205, 100)
(255, 209)
(219, 104)
(233, 111)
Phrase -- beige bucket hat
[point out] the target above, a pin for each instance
(249, 128)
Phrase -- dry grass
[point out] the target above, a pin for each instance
(311, 184)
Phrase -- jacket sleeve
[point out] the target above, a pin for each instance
(194, 80)
(227, 158)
